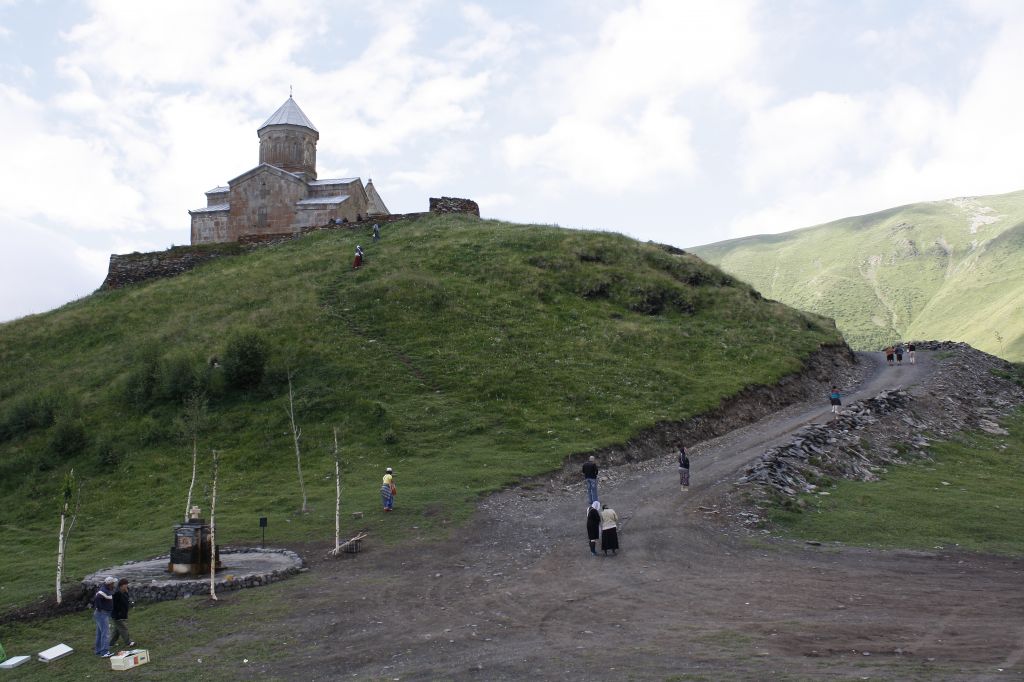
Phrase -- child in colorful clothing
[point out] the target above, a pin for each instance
(836, 399)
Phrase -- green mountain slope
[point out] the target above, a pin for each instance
(466, 354)
(944, 269)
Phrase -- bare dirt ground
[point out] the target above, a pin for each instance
(691, 595)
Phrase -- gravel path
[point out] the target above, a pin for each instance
(691, 595)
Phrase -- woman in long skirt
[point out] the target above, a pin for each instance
(387, 490)
(594, 525)
(609, 530)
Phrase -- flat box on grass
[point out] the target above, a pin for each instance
(55, 652)
(14, 662)
(126, 660)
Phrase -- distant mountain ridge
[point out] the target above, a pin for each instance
(951, 269)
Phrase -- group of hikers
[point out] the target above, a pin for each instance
(602, 521)
(110, 607)
(894, 353)
(360, 257)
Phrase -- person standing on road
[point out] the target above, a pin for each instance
(590, 478)
(103, 605)
(609, 530)
(122, 602)
(910, 352)
(684, 469)
(899, 353)
(594, 525)
(889, 352)
(836, 399)
(388, 489)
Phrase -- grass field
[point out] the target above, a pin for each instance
(467, 354)
(937, 270)
(967, 497)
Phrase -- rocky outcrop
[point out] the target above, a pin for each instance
(966, 390)
(454, 205)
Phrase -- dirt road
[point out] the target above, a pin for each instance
(517, 595)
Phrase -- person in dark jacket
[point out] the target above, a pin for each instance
(103, 604)
(590, 478)
(122, 602)
(594, 525)
(684, 469)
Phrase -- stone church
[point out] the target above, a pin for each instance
(282, 195)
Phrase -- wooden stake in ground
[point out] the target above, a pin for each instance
(337, 497)
(213, 537)
(67, 491)
(296, 434)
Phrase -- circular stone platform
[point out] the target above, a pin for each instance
(242, 567)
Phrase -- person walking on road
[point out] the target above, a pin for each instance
(836, 399)
(594, 525)
(899, 353)
(103, 605)
(609, 530)
(388, 490)
(122, 602)
(910, 352)
(590, 478)
(889, 353)
(684, 469)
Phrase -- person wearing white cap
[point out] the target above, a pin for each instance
(388, 490)
(103, 605)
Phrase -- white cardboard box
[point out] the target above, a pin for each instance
(55, 652)
(14, 662)
(126, 660)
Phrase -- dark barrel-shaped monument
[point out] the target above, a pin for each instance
(190, 553)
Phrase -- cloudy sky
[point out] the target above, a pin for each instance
(677, 121)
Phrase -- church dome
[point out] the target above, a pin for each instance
(288, 140)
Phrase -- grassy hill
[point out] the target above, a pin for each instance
(943, 269)
(466, 354)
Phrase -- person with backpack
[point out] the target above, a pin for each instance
(103, 606)
(122, 602)
(836, 399)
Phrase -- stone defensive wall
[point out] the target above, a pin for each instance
(131, 268)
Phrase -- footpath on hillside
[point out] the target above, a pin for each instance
(695, 593)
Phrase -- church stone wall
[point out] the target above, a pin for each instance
(264, 204)
(210, 227)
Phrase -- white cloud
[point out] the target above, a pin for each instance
(60, 176)
(620, 126)
(829, 155)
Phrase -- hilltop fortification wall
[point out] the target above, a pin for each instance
(131, 268)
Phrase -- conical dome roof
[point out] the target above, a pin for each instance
(288, 114)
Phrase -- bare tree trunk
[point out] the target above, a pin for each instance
(297, 435)
(193, 418)
(195, 458)
(60, 550)
(66, 527)
(213, 528)
(337, 497)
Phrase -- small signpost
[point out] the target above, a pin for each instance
(263, 529)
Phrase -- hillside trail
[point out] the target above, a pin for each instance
(691, 595)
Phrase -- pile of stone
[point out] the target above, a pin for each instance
(965, 390)
(820, 452)
(454, 205)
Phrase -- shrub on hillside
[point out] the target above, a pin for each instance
(68, 438)
(245, 360)
(179, 377)
(33, 411)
